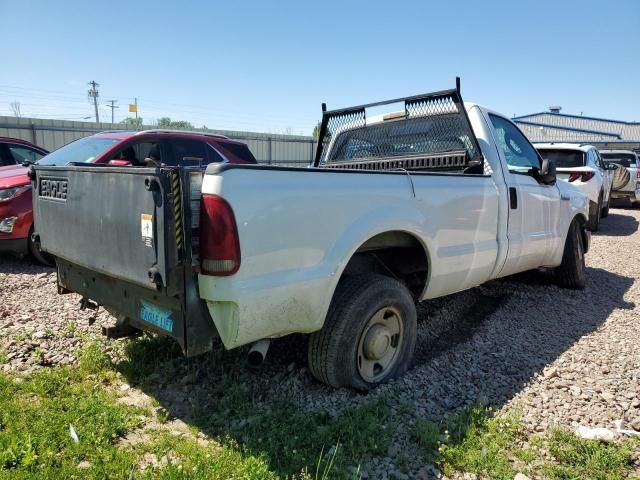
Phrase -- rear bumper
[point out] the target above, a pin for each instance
(184, 317)
(630, 195)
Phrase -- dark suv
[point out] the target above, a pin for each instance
(123, 148)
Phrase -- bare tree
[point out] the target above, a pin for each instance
(15, 108)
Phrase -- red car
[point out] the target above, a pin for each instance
(143, 148)
(16, 216)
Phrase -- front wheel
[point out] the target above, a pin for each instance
(571, 272)
(369, 335)
(37, 253)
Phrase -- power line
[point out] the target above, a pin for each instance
(112, 107)
(93, 93)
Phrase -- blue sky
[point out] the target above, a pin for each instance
(267, 66)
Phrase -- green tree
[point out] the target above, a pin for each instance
(132, 122)
(316, 131)
(166, 122)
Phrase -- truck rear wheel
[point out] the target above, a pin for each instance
(369, 335)
(571, 272)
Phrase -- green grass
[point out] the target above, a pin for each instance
(248, 438)
(496, 446)
(36, 412)
(288, 438)
(577, 458)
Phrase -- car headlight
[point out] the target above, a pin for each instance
(6, 224)
(7, 193)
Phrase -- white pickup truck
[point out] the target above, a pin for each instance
(397, 208)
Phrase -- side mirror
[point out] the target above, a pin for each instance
(548, 172)
(119, 163)
(612, 166)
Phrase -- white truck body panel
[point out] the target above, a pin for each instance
(299, 228)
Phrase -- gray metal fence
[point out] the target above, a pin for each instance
(275, 149)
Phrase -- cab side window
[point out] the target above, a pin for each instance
(141, 154)
(521, 157)
(189, 152)
(21, 153)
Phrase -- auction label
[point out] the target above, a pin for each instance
(146, 225)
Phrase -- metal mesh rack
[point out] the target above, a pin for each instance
(432, 133)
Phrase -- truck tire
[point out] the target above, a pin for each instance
(369, 335)
(571, 272)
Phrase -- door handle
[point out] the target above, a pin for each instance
(513, 198)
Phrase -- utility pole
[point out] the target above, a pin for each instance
(112, 106)
(93, 93)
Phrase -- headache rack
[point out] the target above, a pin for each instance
(433, 133)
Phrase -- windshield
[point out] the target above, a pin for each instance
(83, 150)
(624, 159)
(563, 158)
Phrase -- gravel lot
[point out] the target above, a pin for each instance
(559, 356)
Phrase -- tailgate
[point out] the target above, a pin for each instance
(119, 237)
(113, 220)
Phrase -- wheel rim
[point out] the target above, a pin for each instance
(380, 344)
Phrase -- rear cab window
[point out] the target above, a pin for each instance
(563, 158)
(627, 160)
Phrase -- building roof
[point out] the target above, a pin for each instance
(576, 116)
(561, 127)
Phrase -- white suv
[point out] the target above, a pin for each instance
(583, 167)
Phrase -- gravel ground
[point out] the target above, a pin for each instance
(559, 356)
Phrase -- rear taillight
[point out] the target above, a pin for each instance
(219, 243)
(584, 176)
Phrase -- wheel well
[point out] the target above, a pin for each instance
(582, 221)
(396, 254)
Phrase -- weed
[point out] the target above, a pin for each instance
(579, 458)
(475, 440)
(70, 329)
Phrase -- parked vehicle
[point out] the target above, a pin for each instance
(582, 166)
(403, 207)
(16, 218)
(629, 185)
(122, 148)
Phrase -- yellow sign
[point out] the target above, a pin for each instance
(133, 107)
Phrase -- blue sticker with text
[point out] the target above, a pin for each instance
(158, 316)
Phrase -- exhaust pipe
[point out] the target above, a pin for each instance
(258, 352)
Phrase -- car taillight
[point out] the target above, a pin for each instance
(584, 176)
(219, 242)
